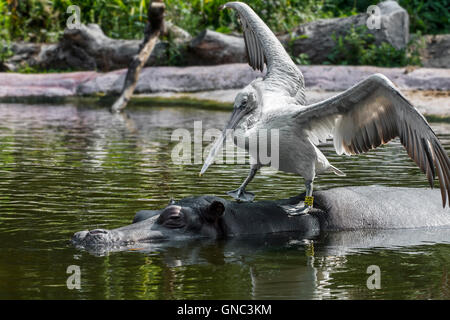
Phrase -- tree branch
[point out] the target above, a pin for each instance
(152, 30)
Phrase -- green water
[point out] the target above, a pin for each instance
(67, 168)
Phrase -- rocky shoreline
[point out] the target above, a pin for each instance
(427, 88)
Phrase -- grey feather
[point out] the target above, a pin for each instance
(374, 112)
(263, 46)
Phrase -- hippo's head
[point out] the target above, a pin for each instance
(187, 219)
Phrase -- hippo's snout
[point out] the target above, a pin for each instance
(97, 237)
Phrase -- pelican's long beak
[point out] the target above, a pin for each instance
(236, 116)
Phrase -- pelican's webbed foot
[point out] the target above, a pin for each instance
(297, 209)
(241, 195)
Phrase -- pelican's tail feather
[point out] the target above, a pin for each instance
(337, 171)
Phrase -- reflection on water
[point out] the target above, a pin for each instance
(68, 168)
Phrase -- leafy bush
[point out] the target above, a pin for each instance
(5, 41)
(358, 47)
(426, 16)
(5, 53)
(280, 15)
(45, 20)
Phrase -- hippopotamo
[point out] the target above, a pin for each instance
(338, 209)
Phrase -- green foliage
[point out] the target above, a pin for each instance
(25, 68)
(5, 52)
(350, 48)
(174, 51)
(45, 20)
(302, 58)
(426, 16)
(358, 47)
(280, 15)
(5, 41)
(386, 55)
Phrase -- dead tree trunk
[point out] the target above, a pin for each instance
(151, 34)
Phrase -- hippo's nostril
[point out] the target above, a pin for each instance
(98, 231)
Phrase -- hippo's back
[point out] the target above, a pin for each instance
(377, 207)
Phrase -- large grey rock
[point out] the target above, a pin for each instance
(49, 85)
(174, 79)
(236, 76)
(436, 53)
(315, 38)
(207, 78)
(88, 48)
(23, 53)
(179, 35)
(211, 47)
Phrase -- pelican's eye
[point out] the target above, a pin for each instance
(243, 103)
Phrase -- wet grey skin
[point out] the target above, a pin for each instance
(210, 217)
(365, 116)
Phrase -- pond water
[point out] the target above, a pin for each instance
(66, 168)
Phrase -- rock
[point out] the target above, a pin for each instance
(315, 38)
(23, 52)
(436, 53)
(50, 85)
(179, 35)
(88, 48)
(211, 47)
(174, 79)
(208, 78)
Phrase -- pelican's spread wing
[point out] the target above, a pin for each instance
(263, 46)
(370, 114)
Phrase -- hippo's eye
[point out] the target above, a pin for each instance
(171, 217)
(174, 221)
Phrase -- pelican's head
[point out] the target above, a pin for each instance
(245, 104)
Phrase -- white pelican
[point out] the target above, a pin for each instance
(365, 116)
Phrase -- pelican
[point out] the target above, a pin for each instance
(365, 116)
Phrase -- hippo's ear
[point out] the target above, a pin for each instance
(171, 202)
(215, 211)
